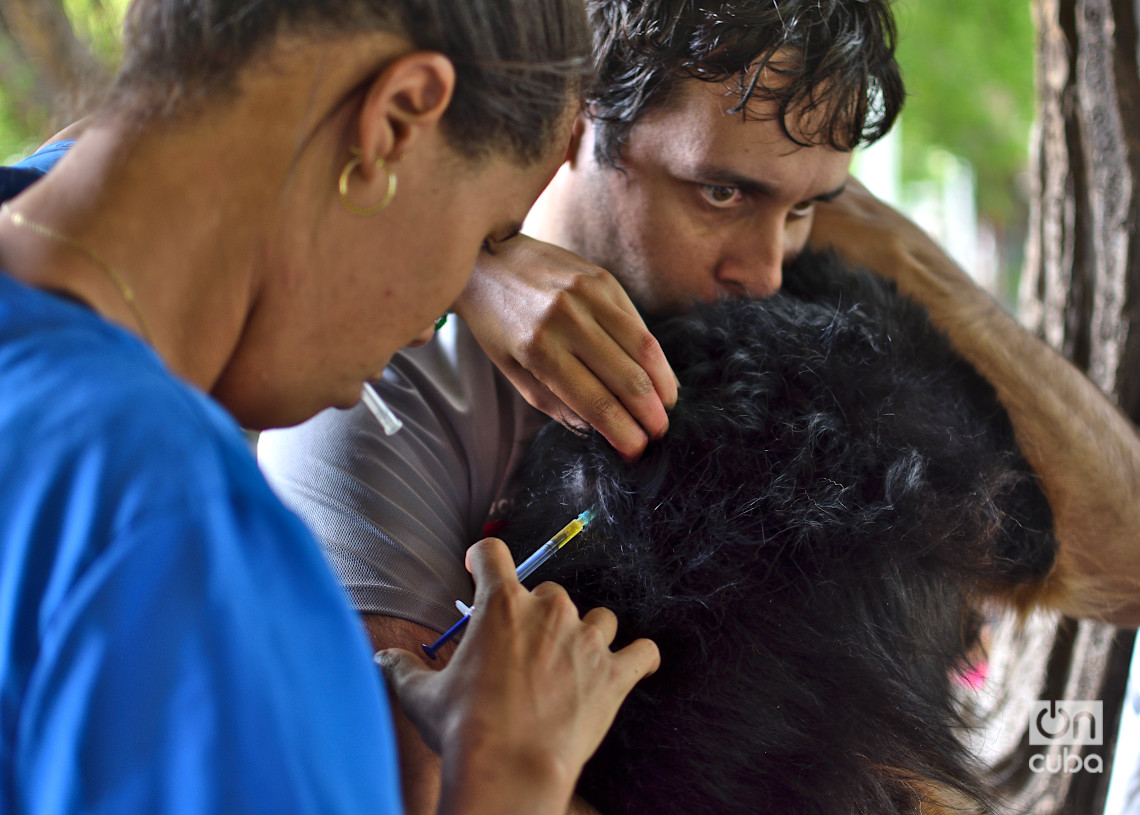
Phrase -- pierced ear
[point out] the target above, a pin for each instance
(405, 101)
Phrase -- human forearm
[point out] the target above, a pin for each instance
(420, 766)
(1085, 452)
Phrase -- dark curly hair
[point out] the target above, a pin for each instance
(807, 545)
(832, 57)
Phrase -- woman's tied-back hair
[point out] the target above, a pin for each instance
(807, 546)
(518, 62)
(834, 58)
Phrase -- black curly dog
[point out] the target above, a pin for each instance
(807, 546)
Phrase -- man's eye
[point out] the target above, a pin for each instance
(803, 208)
(720, 194)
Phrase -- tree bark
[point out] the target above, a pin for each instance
(1079, 292)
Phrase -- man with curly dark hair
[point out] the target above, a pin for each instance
(713, 131)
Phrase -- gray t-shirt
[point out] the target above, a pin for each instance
(395, 514)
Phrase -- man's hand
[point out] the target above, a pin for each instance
(527, 697)
(567, 336)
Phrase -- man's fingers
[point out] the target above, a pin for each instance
(638, 393)
(636, 382)
(588, 371)
(540, 397)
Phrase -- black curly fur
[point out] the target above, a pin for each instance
(806, 546)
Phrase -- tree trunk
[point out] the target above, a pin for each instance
(1079, 292)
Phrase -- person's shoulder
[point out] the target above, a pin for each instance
(154, 535)
(79, 391)
(14, 180)
(456, 407)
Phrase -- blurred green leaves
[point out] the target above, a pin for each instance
(55, 59)
(969, 71)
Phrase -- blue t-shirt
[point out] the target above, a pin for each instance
(171, 639)
(46, 157)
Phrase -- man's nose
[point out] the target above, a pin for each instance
(752, 265)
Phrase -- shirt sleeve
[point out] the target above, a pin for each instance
(189, 670)
(41, 161)
(395, 514)
(17, 178)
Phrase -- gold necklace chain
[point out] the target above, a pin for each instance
(124, 289)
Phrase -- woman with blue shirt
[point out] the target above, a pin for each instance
(275, 198)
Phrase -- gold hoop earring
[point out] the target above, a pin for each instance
(343, 187)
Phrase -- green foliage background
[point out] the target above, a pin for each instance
(26, 116)
(969, 71)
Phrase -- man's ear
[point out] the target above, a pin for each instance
(572, 150)
(405, 101)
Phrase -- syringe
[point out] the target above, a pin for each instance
(524, 570)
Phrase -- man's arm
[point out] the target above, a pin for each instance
(419, 764)
(1085, 451)
(395, 514)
